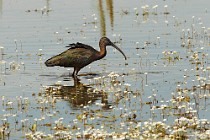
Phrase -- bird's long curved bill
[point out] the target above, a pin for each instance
(119, 50)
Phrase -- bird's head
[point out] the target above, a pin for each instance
(104, 41)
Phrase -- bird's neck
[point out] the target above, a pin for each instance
(102, 52)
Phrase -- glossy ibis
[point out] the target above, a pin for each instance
(80, 55)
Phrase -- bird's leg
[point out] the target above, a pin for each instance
(77, 71)
(76, 80)
(73, 74)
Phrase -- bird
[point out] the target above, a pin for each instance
(80, 55)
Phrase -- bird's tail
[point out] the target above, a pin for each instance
(54, 61)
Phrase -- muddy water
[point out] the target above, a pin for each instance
(166, 42)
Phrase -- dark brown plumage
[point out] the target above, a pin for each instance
(80, 55)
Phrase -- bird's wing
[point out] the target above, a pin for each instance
(80, 45)
(74, 56)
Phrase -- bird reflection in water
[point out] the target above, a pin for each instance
(80, 95)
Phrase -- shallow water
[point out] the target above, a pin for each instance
(167, 50)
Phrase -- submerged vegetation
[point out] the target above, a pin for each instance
(103, 111)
